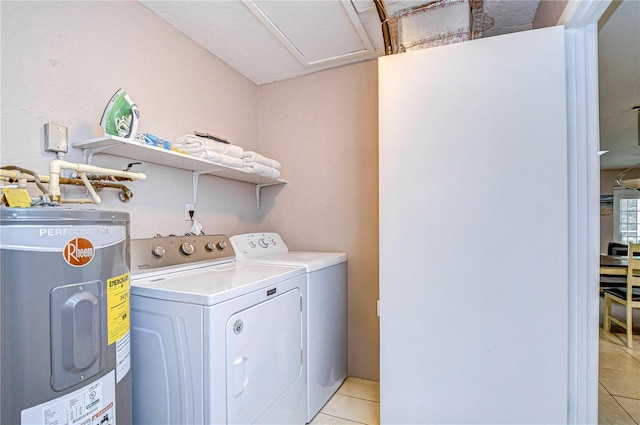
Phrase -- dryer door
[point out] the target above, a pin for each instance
(264, 355)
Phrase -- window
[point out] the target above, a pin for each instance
(626, 216)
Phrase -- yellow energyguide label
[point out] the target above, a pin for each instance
(118, 321)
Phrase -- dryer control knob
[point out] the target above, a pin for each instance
(158, 251)
(222, 245)
(210, 246)
(186, 248)
(263, 243)
(252, 244)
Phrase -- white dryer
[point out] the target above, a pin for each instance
(214, 341)
(326, 309)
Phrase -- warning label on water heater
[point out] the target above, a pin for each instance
(91, 405)
(118, 307)
(123, 357)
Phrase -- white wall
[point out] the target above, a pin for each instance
(548, 13)
(61, 63)
(607, 183)
(324, 126)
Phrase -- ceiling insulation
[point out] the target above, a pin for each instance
(432, 24)
(509, 16)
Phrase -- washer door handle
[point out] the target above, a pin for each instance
(240, 374)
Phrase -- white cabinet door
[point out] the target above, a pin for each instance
(474, 232)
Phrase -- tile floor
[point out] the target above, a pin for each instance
(358, 401)
(619, 377)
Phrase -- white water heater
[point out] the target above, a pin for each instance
(64, 310)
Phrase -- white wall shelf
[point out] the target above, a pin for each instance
(131, 149)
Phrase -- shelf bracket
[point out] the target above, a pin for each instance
(259, 187)
(196, 176)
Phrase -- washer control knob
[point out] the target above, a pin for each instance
(263, 243)
(210, 246)
(221, 245)
(158, 251)
(273, 242)
(252, 244)
(186, 248)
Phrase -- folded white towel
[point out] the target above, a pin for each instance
(192, 143)
(219, 158)
(262, 170)
(250, 156)
(191, 149)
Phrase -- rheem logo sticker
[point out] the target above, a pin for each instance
(78, 252)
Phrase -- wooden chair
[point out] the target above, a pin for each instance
(614, 281)
(615, 248)
(628, 296)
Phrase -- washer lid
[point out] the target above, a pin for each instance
(212, 285)
(312, 261)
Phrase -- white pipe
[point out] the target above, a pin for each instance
(22, 179)
(92, 191)
(8, 173)
(15, 175)
(57, 165)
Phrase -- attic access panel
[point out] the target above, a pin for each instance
(297, 25)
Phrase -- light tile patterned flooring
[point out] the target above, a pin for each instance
(619, 377)
(357, 401)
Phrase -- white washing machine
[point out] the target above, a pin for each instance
(326, 309)
(214, 341)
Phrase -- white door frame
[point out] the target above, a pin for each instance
(581, 36)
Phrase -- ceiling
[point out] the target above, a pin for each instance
(267, 41)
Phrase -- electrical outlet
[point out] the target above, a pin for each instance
(55, 138)
(189, 209)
